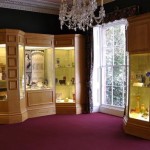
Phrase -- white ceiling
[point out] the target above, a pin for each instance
(42, 6)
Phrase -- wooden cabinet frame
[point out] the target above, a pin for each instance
(138, 43)
(16, 109)
(138, 34)
(40, 102)
(78, 42)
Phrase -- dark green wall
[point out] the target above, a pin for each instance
(30, 22)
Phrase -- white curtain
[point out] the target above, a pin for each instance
(98, 43)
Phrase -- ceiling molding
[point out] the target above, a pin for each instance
(41, 6)
(105, 1)
(34, 6)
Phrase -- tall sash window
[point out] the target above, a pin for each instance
(110, 67)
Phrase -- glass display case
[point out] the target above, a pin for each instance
(139, 86)
(39, 68)
(21, 72)
(12, 87)
(70, 73)
(65, 74)
(27, 75)
(3, 83)
(39, 74)
(137, 117)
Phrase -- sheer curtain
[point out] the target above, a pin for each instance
(97, 45)
(89, 67)
(99, 40)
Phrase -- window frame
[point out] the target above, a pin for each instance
(97, 73)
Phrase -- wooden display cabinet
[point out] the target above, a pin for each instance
(12, 88)
(27, 72)
(39, 71)
(139, 34)
(137, 114)
(70, 74)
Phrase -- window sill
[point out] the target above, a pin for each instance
(116, 111)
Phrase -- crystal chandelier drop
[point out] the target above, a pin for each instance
(80, 15)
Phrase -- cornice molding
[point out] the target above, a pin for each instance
(105, 1)
(34, 6)
(41, 6)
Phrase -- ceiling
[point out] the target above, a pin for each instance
(42, 6)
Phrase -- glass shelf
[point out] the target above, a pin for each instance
(29, 89)
(65, 101)
(65, 85)
(139, 116)
(64, 67)
(133, 86)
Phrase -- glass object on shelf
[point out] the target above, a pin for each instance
(139, 87)
(21, 72)
(39, 67)
(65, 74)
(3, 83)
(139, 106)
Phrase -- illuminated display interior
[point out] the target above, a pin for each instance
(139, 86)
(21, 71)
(65, 74)
(3, 85)
(39, 68)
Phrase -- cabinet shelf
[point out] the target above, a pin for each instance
(37, 89)
(147, 87)
(63, 101)
(139, 116)
(65, 85)
(64, 67)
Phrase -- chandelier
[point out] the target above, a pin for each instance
(80, 15)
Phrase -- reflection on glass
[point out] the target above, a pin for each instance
(3, 84)
(65, 75)
(139, 86)
(118, 75)
(21, 72)
(109, 75)
(117, 95)
(108, 95)
(39, 68)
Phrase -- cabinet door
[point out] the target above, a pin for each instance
(139, 34)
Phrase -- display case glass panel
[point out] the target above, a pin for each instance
(39, 68)
(65, 74)
(21, 72)
(139, 103)
(3, 83)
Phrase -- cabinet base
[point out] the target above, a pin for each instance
(30, 113)
(65, 108)
(69, 108)
(140, 130)
(13, 118)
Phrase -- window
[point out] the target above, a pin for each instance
(110, 65)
